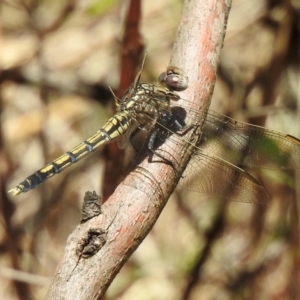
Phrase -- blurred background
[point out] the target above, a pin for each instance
(57, 59)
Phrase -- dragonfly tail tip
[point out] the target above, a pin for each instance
(15, 191)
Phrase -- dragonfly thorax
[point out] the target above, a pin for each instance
(145, 102)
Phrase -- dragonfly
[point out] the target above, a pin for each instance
(153, 109)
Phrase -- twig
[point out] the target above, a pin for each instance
(132, 48)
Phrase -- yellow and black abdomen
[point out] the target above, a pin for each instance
(114, 127)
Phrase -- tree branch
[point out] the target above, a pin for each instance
(130, 213)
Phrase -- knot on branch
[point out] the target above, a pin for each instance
(91, 243)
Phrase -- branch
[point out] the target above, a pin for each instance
(130, 213)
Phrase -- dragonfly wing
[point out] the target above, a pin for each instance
(210, 175)
(251, 145)
(136, 149)
(123, 140)
(245, 144)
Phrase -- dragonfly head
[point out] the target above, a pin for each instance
(174, 79)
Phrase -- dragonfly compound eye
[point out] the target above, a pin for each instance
(162, 77)
(176, 82)
(174, 79)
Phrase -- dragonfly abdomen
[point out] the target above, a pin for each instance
(114, 127)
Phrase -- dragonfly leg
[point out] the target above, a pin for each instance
(184, 130)
(151, 148)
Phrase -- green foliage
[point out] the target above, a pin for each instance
(101, 6)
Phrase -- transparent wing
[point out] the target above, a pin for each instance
(205, 173)
(245, 144)
(225, 143)
(136, 149)
(123, 140)
(212, 176)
